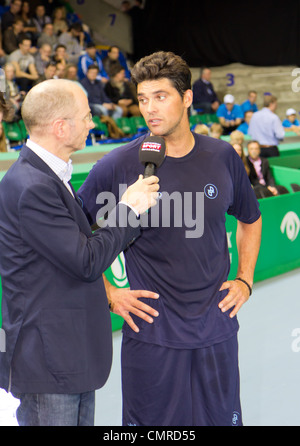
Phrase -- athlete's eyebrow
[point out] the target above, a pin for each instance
(153, 92)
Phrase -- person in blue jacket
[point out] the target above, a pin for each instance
(91, 57)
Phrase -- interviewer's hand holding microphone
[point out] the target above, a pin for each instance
(140, 196)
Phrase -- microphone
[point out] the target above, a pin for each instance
(152, 154)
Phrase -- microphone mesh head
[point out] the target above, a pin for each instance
(152, 150)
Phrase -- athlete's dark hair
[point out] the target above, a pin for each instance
(163, 65)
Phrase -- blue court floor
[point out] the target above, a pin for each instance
(269, 340)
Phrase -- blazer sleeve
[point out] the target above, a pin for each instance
(49, 228)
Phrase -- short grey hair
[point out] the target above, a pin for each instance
(47, 101)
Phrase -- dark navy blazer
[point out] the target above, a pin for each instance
(54, 307)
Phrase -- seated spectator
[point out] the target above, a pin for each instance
(13, 96)
(99, 103)
(201, 129)
(60, 54)
(216, 130)
(237, 137)
(266, 127)
(240, 151)
(13, 35)
(73, 40)
(60, 24)
(42, 58)
(47, 36)
(9, 16)
(71, 73)
(29, 25)
(121, 92)
(49, 73)
(114, 57)
(250, 103)
(4, 143)
(291, 123)
(230, 114)
(60, 70)
(204, 96)
(260, 174)
(40, 18)
(24, 65)
(91, 57)
(244, 126)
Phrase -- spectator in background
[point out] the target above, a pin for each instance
(266, 127)
(250, 103)
(237, 137)
(40, 18)
(121, 92)
(4, 143)
(60, 24)
(49, 73)
(73, 40)
(99, 102)
(201, 129)
(60, 70)
(13, 96)
(291, 123)
(24, 65)
(91, 57)
(125, 6)
(244, 126)
(42, 58)
(240, 151)
(60, 55)
(13, 35)
(230, 114)
(9, 16)
(113, 58)
(47, 36)
(260, 174)
(216, 130)
(29, 25)
(204, 95)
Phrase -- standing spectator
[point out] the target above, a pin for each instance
(47, 36)
(230, 114)
(99, 102)
(291, 123)
(24, 65)
(42, 58)
(73, 40)
(91, 57)
(250, 103)
(120, 92)
(266, 127)
(204, 95)
(40, 18)
(13, 35)
(9, 16)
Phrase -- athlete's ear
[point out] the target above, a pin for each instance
(188, 98)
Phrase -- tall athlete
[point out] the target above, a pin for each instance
(182, 367)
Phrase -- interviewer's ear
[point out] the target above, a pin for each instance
(59, 128)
